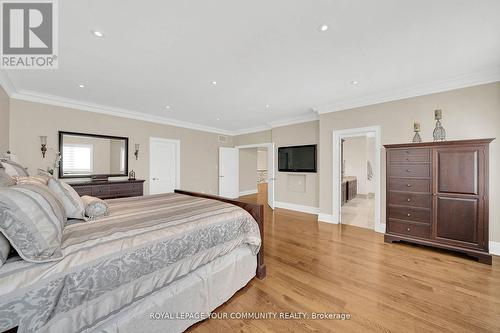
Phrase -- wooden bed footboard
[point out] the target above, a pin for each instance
(257, 212)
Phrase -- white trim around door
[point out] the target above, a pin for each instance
(177, 143)
(337, 191)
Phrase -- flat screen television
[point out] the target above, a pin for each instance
(297, 159)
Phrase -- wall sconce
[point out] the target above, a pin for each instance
(136, 153)
(43, 141)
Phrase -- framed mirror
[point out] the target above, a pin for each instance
(90, 155)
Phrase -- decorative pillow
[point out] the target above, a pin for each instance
(14, 169)
(95, 207)
(73, 204)
(5, 179)
(32, 219)
(32, 180)
(4, 249)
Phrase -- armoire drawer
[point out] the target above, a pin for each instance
(414, 170)
(409, 229)
(409, 155)
(410, 213)
(409, 185)
(421, 200)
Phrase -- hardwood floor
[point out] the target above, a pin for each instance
(320, 267)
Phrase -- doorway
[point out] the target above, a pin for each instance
(258, 160)
(356, 177)
(164, 165)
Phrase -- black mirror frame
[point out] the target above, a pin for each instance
(61, 135)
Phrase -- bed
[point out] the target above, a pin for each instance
(151, 257)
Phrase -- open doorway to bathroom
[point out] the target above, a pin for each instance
(356, 177)
(358, 181)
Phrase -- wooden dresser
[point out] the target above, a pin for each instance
(110, 189)
(437, 195)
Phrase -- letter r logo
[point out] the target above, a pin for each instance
(27, 28)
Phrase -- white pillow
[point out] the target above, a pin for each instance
(73, 204)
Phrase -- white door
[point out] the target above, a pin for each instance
(270, 175)
(164, 165)
(229, 186)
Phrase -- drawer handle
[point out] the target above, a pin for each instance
(408, 229)
(409, 214)
(407, 151)
(408, 170)
(408, 185)
(408, 199)
(408, 159)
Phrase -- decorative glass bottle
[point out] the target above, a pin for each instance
(416, 129)
(439, 133)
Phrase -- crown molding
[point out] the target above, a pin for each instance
(32, 96)
(6, 83)
(474, 79)
(297, 120)
(252, 130)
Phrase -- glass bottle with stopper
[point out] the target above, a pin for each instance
(416, 129)
(439, 133)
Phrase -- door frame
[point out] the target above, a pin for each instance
(337, 136)
(177, 159)
(270, 147)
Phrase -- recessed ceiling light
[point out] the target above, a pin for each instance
(268, 106)
(323, 27)
(167, 107)
(214, 83)
(354, 82)
(218, 119)
(81, 86)
(97, 33)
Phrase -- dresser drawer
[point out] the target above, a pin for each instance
(414, 170)
(411, 155)
(409, 185)
(410, 214)
(408, 228)
(410, 199)
(100, 190)
(83, 190)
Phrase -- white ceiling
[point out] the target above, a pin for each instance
(158, 53)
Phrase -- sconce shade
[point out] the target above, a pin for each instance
(43, 139)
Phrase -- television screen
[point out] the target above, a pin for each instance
(297, 158)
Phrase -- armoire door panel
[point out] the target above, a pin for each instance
(457, 219)
(458, 170)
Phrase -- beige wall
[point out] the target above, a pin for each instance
(253, 138)
(199, 150)
(293, 187)
(248, 169)
(355, 157)
(468, 113)
(262, 159)
(4, 121)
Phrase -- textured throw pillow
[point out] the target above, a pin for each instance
(72, 202)
(32, 219)
(14, 169)
(4, 249)
(5, 179)
(32, 180)
(95, 207)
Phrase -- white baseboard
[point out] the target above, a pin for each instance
(379, 227)
(494, 248)
(242, 193)
(298, 208)
(327, 218)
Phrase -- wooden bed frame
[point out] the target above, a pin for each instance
(257, 212)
